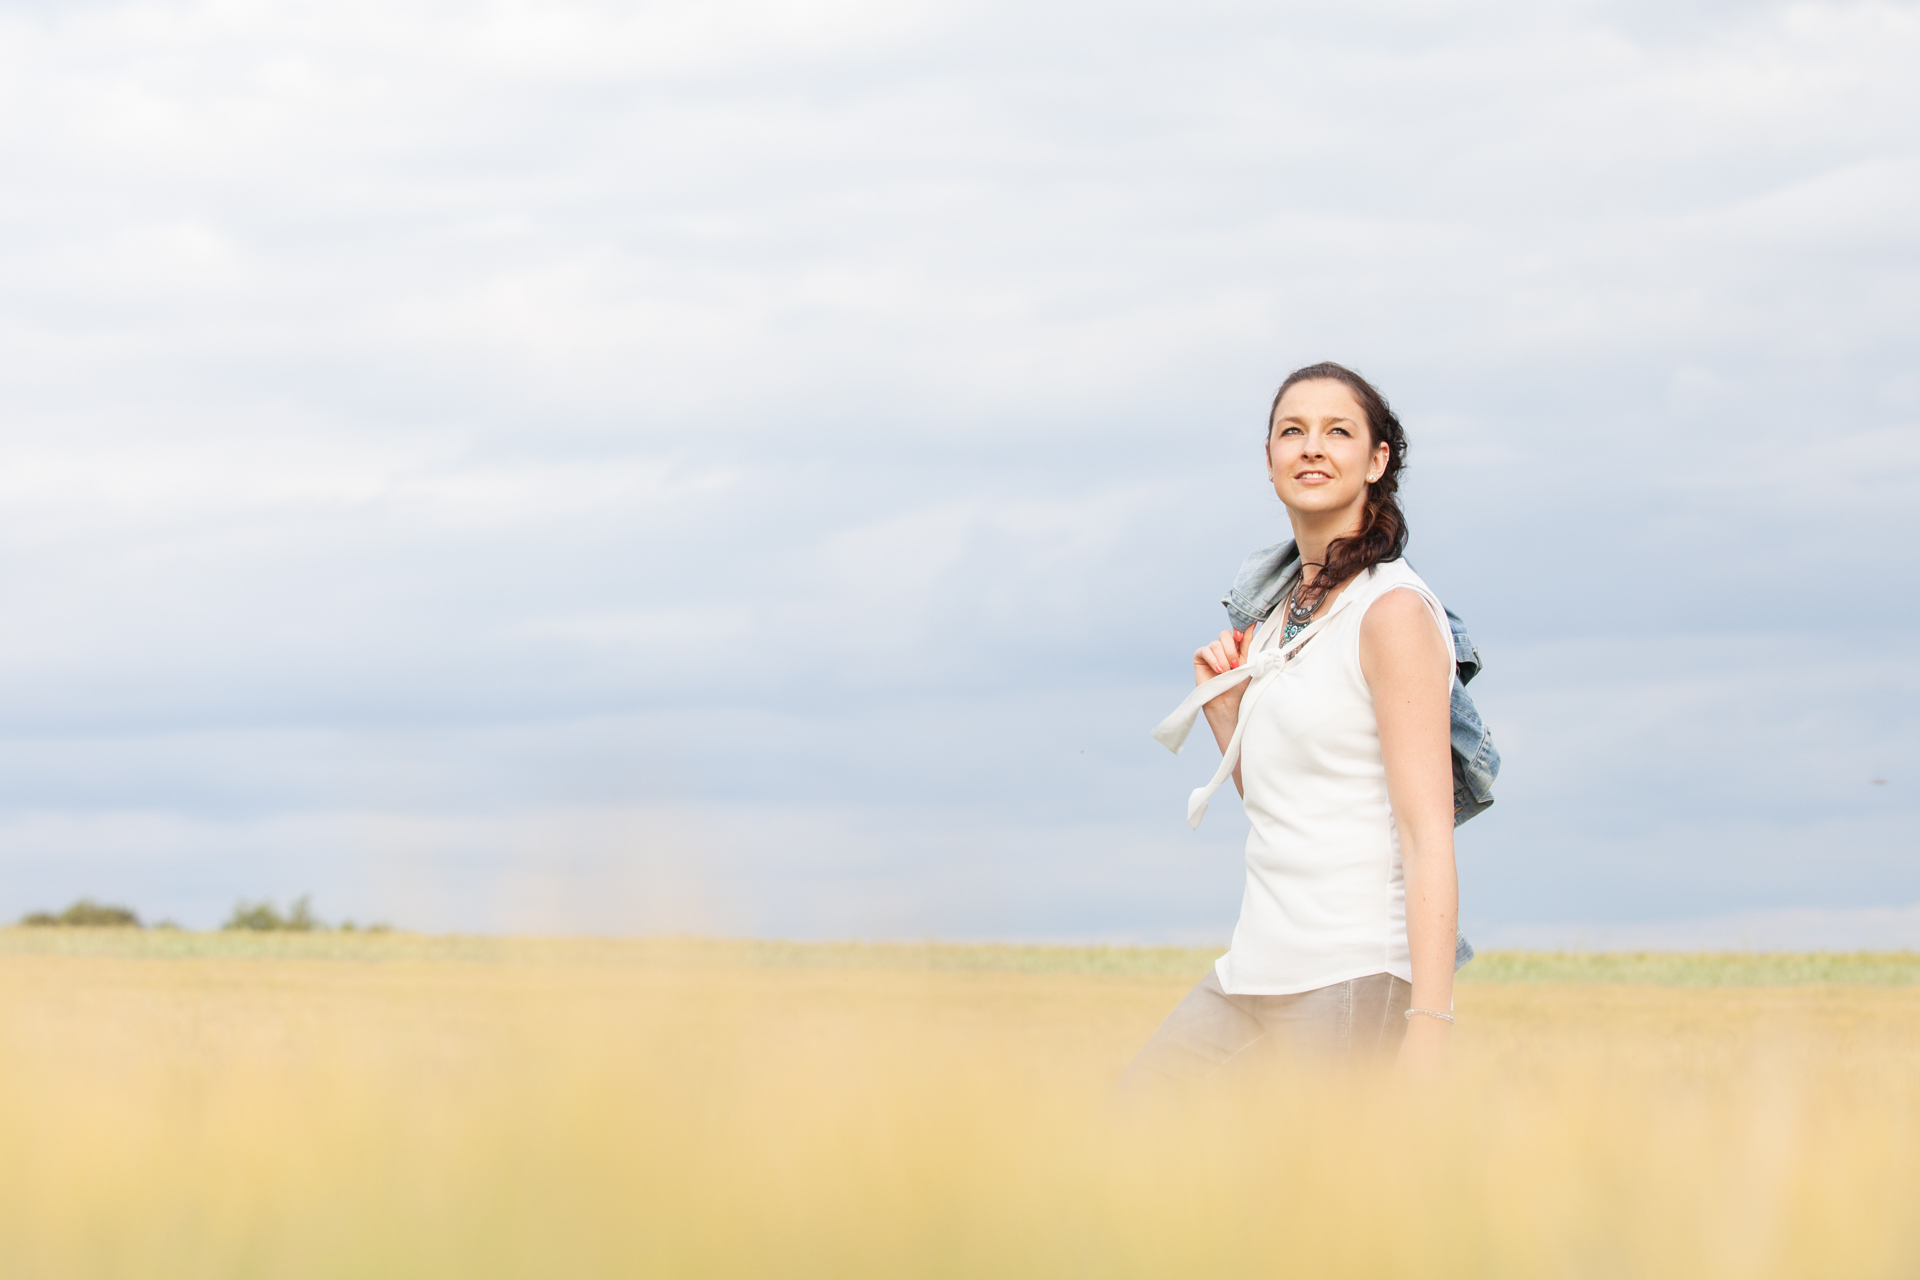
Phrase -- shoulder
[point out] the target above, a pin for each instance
(1401, 624)
(1392, 612)
(1386, 576)
(1395, 587)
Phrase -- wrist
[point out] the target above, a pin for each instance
(1225, 706)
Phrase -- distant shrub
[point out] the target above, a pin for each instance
(263, 917)
(86, 913)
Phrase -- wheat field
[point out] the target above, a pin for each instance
(206, 1105)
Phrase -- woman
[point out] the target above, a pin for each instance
(1332, 719)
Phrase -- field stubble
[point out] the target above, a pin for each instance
(402, 1107)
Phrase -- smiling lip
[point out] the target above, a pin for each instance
(1312, 477)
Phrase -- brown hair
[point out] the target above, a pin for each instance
(1383, 527)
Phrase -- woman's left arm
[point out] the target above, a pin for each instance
(1409, 667)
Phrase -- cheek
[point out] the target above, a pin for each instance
(1356, 455)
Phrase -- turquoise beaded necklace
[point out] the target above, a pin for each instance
(1298, 615)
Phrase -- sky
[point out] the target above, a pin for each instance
(763, 468)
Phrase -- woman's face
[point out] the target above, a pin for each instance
(1317, 449)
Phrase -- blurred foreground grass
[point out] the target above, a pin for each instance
(323, 1106)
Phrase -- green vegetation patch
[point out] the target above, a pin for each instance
(1644, 968)
(84, 914)
(264, 917)
(1699, 969)
(247, 943)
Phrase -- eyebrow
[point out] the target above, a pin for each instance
(1295, 418)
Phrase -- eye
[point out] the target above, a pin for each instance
(1289, 431)
(1340, 431)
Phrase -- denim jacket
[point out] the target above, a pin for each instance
(1264, 578)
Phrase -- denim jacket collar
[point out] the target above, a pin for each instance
(1266, 575)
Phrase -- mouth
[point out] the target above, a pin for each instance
(1312, 477)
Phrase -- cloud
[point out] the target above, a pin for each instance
(454, 419)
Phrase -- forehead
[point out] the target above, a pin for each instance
(1319, 398)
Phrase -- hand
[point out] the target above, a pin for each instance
(1424, 1053)
(1222, 656)
(1223, 709)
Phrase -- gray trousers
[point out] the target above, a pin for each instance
(1210, 1031)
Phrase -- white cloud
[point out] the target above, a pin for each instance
(883, 373)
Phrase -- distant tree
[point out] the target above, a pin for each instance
(264, 917)
(300, 916)
(85, 913)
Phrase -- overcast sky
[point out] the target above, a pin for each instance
(762, 468)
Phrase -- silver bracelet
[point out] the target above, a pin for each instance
(1444, 1017)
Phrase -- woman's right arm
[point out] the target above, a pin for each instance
(1223, 713)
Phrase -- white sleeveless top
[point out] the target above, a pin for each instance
(1325, 899)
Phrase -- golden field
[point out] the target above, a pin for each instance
(201, 1105)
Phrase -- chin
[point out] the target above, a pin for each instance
(1316, 500)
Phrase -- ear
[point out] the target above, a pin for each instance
(1382, 454)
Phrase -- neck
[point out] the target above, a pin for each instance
(1315, 531)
